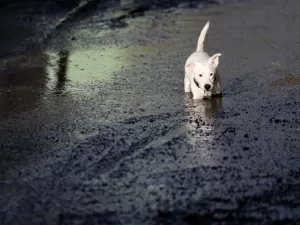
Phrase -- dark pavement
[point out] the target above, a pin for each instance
(96, 128)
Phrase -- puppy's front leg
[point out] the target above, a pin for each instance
(197, 93)
(187, 84)
(218, 89)
(217, 84)
(198, 96)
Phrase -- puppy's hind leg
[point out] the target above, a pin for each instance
(187, 85)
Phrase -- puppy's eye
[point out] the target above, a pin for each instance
(211, 74)
(200, 75)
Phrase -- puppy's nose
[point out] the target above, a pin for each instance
(207, 86)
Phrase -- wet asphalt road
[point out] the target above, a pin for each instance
(96, 128)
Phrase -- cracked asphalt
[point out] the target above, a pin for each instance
(96, 128)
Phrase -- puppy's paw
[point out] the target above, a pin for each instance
(218, 92)
(197, 97)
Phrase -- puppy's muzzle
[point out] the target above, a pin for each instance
(207, 87)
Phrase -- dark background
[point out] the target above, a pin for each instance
(95, 127)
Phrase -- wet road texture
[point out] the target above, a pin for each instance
(95, 127)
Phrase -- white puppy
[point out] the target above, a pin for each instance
(201, 75)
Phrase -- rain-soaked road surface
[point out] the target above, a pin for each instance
(96, 129)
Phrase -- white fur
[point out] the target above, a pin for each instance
(200, 63)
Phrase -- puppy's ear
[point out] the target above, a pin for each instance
(191, 66)
(214, 60)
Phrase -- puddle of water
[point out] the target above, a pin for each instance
(22, 82)
(90, 65)
(25, 79)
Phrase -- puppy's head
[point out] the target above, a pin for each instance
(204, 73)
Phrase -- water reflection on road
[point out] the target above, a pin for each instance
(22, 82)
(200, 130)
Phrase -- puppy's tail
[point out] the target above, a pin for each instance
(202, 37)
